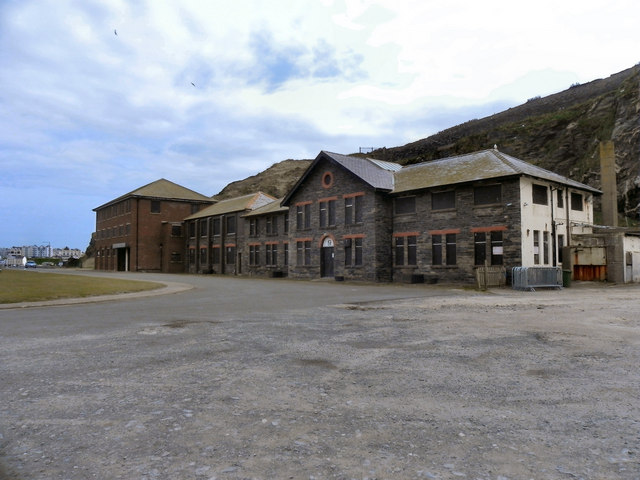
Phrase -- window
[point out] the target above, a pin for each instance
(560, 198)
(215, 255)
(253, 227)
(231, 254)
(271, 254)
(286, 253)
(451, 249)
(545, 247)
(176, 257)
(479, 248)
(231, 224)
(443, 200)
(286, 223)
(353, 252)
(203, 256)
(536, 247)
(412, 250)
(436, 249)
(443, 253)
(303, 252)
(358, 246)
(192, 256)
(215, 227)
(353, 209)
(406, 250)
(272, 225)
(399, 251)
(192, 229)
(576, 201)
(203, 228)
(497, 251)
(327, 213)
(487, 195)
(560, 246)
(405, 205)
(176, 230)
(155, 206)
(303, 216)
(254, 254)
(327, 180)
(540, 196)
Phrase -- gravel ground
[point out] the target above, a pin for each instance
(497, 385)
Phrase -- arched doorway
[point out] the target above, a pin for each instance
(327, 258)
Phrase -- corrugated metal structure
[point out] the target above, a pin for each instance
(530, 278)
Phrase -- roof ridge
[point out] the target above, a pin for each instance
(503, 157)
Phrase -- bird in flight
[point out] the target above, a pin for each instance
(115, 32)
(193, 84)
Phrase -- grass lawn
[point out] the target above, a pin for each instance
(34, 286)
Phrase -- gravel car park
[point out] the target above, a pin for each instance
(248, 379)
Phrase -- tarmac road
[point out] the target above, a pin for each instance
(235, 378)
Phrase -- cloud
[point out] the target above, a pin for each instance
(89, 115)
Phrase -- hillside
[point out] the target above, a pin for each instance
(276, 180)
(560, 132)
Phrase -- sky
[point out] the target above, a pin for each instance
(98, 98)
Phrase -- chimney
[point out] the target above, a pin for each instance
(608, 181)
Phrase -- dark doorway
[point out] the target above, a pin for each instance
(327, 258)
(123, 259)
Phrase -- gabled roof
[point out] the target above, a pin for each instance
(162, 189)
(273, 207)
(482, 165)
(236, 204)
(376, 173)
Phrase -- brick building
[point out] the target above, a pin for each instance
(142, 230)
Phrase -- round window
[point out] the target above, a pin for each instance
(327, 179)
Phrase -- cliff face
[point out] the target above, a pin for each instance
(560, 132)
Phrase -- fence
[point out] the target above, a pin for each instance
(491, 276)
(530, 278)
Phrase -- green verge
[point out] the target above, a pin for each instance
(32, 286)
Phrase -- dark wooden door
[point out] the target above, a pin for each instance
(326, 266)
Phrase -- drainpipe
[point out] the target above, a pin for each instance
(553, 232)
(568, 207)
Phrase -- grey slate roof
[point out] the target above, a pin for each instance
(376, 173)
(236, 204)
(273, 207)
(482, 165)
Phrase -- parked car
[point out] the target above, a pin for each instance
(30, 264)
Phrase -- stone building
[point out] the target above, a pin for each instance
(358, 218)
(142, 230)
(216, 235)
(354, 218)
(266, 248)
